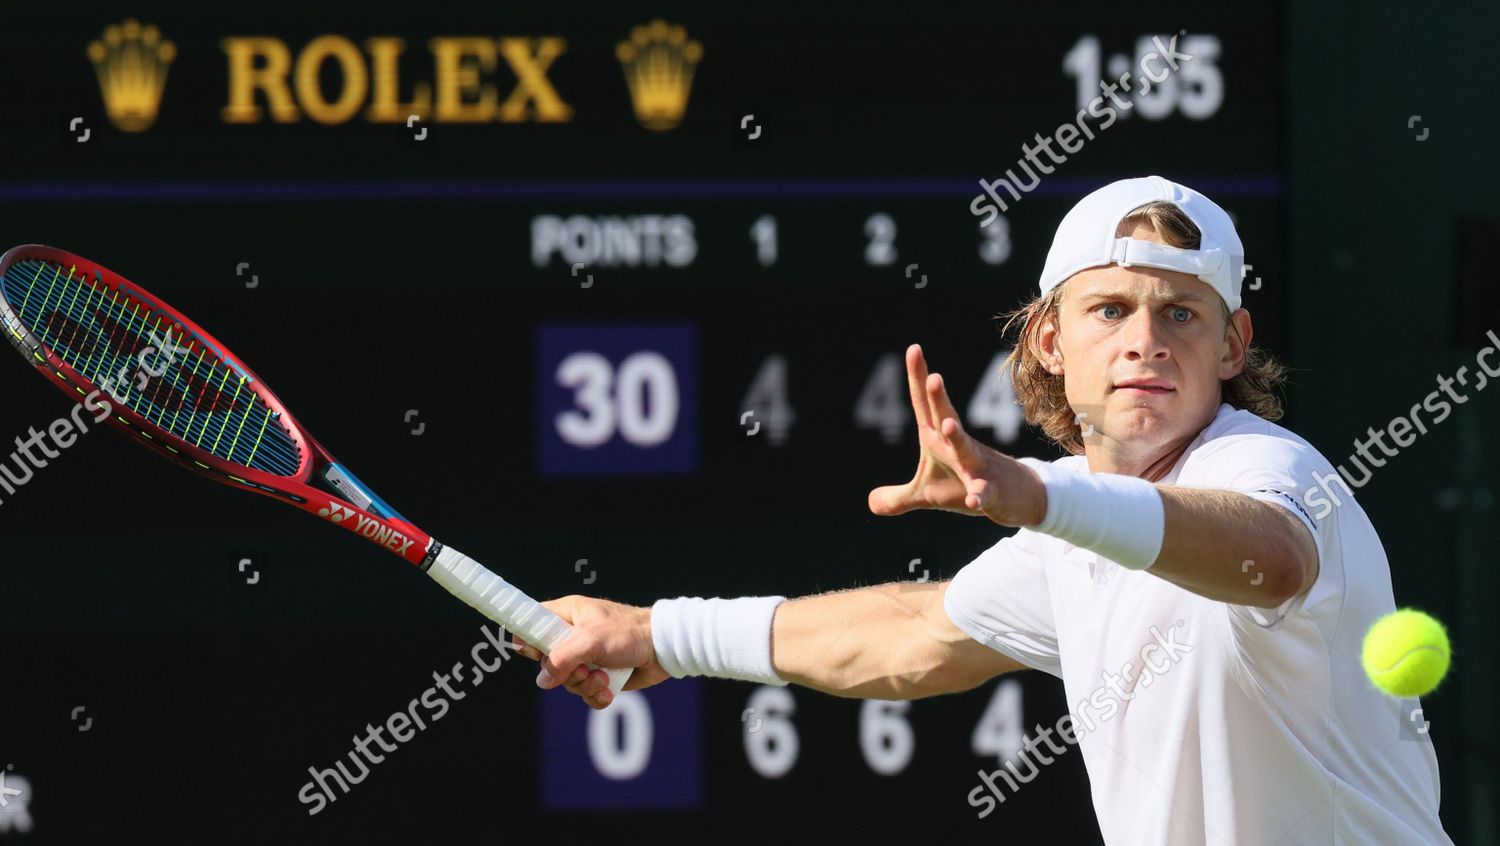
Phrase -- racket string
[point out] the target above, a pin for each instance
(75, 334)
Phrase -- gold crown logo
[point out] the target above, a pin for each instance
(659, 62)
(131, 63)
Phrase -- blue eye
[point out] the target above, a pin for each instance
(1181, 315)
(1110, 312)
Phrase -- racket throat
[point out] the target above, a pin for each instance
(346, 485)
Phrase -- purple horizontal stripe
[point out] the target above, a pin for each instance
(577, 189)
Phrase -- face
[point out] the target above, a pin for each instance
(1143, 352)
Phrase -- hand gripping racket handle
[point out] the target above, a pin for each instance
(502, 602)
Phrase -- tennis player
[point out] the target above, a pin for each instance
(1204, 619)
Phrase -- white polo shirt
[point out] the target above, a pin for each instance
(1205, 722)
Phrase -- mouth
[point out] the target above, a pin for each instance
(1145, 387)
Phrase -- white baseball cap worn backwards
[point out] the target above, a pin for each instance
(1086, 237)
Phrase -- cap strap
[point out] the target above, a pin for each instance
(1128, 251)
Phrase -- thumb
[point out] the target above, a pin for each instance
(577, 649)
(891, 500)
(563, 607)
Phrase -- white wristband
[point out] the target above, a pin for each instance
(1119, 517)
(721, 638)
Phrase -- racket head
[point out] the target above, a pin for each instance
(131, 358)
(95, 333)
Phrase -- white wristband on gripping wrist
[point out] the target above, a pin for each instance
(720, 638)
(1119, 517)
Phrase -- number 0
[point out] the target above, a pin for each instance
(620, 737)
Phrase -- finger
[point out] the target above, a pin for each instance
(574, 679)
(569, 681)
(593, 683)
(595, 690)
(576, 649)
(979, 494)
(545, 678)
(948, 423)
(963, 445)
(916, 377)
(525, 649)
(562, 664)
(937, 396)
(891, 500)
(553, 675)
(563, 607)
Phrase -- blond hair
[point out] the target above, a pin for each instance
(1256, 388)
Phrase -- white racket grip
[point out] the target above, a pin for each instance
(505, 604)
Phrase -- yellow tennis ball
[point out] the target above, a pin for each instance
(1406, 653)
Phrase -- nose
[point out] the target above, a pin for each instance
(1143, 339)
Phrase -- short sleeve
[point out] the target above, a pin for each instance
(1277, 470)
(1001, 599)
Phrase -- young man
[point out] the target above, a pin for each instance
(1206, 622)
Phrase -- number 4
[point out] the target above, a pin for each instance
(1001, 731)
(994, 404)
(885, 403)
(767, 399)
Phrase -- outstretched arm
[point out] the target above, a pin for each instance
(1231, 547)
(891, 641)
(1206, 535)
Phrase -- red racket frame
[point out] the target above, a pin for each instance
(393, 533)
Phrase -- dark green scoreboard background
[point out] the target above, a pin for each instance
(539, 337)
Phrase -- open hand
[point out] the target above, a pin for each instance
(955, 472)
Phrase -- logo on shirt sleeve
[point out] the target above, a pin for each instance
(1295, 503)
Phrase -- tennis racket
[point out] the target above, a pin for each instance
(157, 376)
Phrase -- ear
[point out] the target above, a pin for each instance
(1048, 347)
(1237, 335)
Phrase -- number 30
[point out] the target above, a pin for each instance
(639, 400)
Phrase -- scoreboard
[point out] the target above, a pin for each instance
(614, 297)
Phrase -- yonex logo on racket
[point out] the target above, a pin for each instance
(336, 513)
(382, 534)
